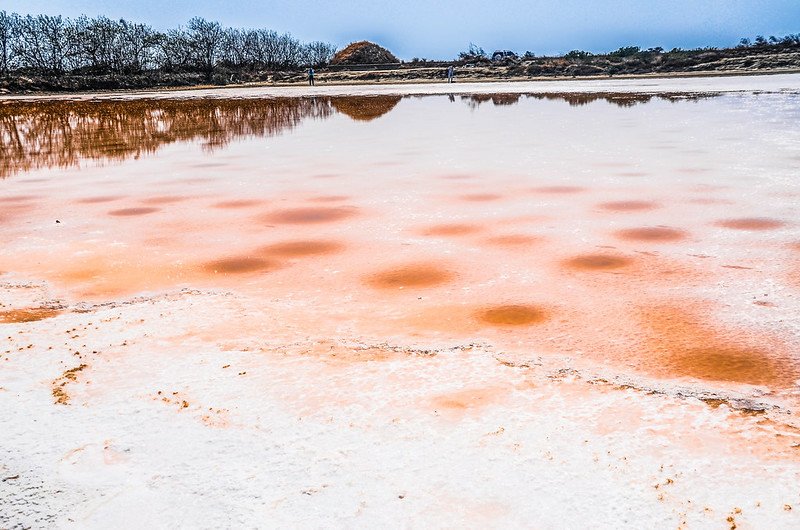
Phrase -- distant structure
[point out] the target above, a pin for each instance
(364, 52)
(499, 55)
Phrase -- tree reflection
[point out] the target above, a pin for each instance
(577, 99)
(365, 108)
(49, 134)
(62, 133)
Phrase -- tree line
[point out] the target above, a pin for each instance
(476, 53)
(56, 45)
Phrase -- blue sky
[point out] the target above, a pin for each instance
(440, 29)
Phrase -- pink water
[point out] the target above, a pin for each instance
(650, 234)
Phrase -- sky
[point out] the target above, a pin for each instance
(441, 29)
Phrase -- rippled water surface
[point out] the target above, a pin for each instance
(655, 235)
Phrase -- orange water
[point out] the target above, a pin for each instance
(656, 235)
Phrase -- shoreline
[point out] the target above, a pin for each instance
(457, 87)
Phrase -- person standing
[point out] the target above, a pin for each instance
(450, 72)
(310, 76)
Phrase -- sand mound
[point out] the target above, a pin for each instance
(364, 52)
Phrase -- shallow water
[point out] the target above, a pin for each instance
(647, 234)
(542, 307)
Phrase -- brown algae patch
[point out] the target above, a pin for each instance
(240, 265)
(725, 363)
(131, 212)
(597, 262)
(452, 229)
(415, 275)
(103, 275)
(514, 240)
(330, 198)
(654, 234)
(751, 223)
(236, 203)
(480, 197)
(59, 384)
(99, 199)
(302, 248)
(512, 315)
(468, 399)
(166, 199)
(29, 314)
(310, 215)
(710, 201)
(687, 347)
(18, 198)
(457, 176)
(333, 352)
(559, 189)
(628, 206)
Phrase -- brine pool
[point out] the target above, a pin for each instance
(352, 307)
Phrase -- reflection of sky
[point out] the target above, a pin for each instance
(120, 130)
(465, 132)
(442, 29)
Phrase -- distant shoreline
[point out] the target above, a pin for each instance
(677, 83)
(459, 81)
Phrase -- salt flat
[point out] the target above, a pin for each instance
(561, 304)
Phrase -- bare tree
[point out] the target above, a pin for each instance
(137, 45)
(28, 46)
(206, 40)
(46, 43)
(233, 51)
(250, 51)
(318, 53)
(289, 51)
(56, 45)
(9, 25)
(175, 50)
(268, 48)
(98, 44)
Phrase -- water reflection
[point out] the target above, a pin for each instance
(476, 100)
(365, 108)
(62, 133)
(620, 99)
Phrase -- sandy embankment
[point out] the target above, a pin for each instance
(716, 84)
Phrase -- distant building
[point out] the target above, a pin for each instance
(499, 55)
